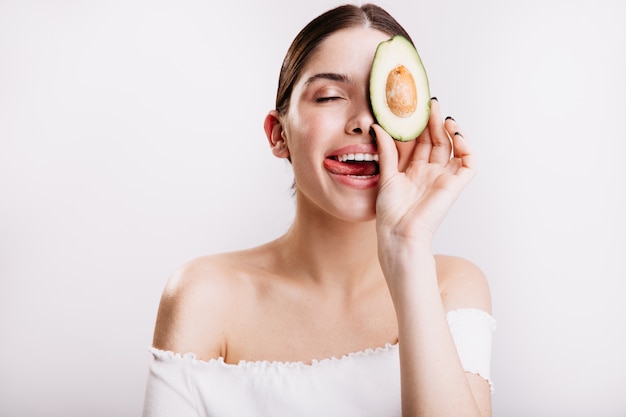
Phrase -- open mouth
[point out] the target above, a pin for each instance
(353, 164)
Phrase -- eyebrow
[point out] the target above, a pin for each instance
(330, 76)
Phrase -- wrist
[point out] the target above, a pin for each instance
(406, 259)
(395, 240)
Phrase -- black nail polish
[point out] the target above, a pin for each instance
(458, 134)
(450, 117)
(434, 98)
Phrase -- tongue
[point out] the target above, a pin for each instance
(358, 168)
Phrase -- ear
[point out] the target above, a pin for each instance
(274, 132)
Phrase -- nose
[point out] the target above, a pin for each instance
(361, 120)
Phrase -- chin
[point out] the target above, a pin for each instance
(356, 213)
(347, 207)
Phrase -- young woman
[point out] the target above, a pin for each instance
(349, 313)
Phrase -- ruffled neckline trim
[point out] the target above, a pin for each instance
(192, 358)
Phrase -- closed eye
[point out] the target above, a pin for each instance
(326, 99)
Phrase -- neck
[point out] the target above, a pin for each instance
(329, 251)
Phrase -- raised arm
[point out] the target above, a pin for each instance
(411, 204)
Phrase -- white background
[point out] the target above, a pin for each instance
(131, 141)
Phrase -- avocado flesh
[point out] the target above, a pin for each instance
(399, 89)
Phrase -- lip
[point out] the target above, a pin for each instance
(358, 183)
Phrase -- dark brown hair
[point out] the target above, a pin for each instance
(309, 38)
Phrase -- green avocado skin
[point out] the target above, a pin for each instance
(389, 54)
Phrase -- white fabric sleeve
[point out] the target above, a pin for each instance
(472, 331)
(168, 392)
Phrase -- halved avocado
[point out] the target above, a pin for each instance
(399, 90)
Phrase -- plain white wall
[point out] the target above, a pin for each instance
(131, 141)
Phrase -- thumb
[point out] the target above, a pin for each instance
(387, 153)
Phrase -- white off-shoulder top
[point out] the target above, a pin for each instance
(361, 384)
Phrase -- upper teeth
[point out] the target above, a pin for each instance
(358, 157)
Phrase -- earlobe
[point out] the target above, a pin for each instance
(275, 135)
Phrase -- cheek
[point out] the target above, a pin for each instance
(300, 142)
(307, 132)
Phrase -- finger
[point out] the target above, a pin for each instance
(441, 145)
(423, 148)
(387, 153)
(424, 145)
(462, 148)
(406, 153)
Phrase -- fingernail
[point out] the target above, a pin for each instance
(372, 133)
(434, 98)
(458, 134)
(450, 117)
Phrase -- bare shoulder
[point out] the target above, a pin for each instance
(197, 305)
(462, 284)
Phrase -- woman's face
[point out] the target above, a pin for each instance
(329, 120)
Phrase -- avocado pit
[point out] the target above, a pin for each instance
(401, 92)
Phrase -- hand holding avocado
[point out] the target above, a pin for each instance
(412, 204)
(412, 201)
